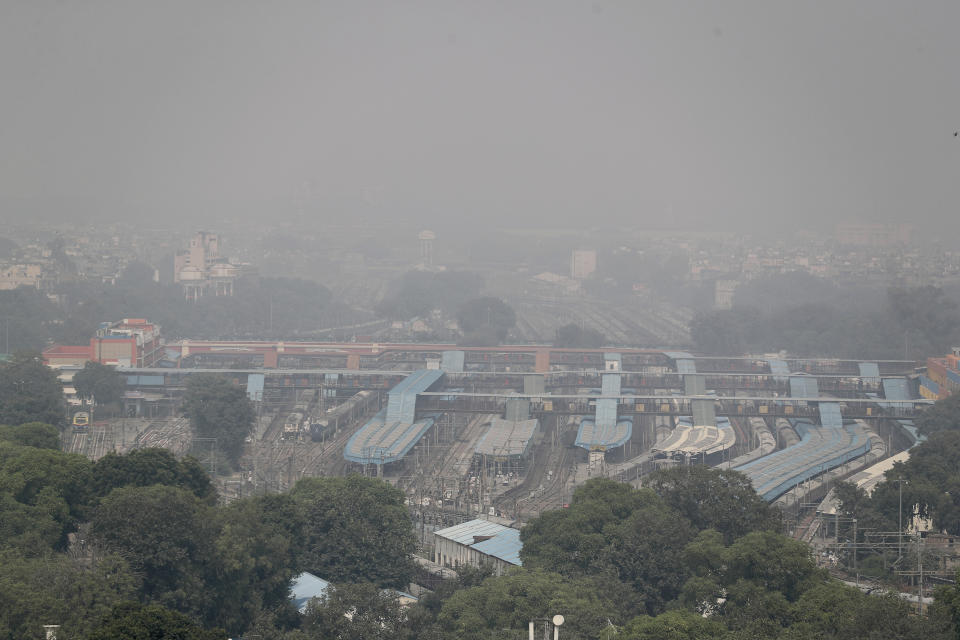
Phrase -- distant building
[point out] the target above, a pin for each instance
(942, 377)
(131, 342)
(478, 543)
(21, 275)
(723, 293)
(201, 270)
(873, 235)
(426, 238)
(583, 262)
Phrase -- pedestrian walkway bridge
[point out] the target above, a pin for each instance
(390, 434)
(605, 430)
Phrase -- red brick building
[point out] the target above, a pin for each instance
(131, 342)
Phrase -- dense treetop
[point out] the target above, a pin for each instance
(219, 409)
(30, 392)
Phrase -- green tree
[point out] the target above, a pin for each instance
(834, 611)
(132, 621)
(43, 495)
(28, 319)
(486, 316)
(168, 535)
(510, 602)
(574, 336)
(32, 434)
(715, 499)
(723, 332)
(946, 606)
(617, 533)
(55, 589)
(360, 611)
(944, 415)
(99, 383)
(146, 467)
(258, 557)
(417, 293)
(749, 583)
(219, 409)
(30, 392)
(673, 625)
(932, 487)
(356, 529)
(925, 317)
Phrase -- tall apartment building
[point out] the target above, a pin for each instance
(583, 262)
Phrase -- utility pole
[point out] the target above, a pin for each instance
(920, 572)
(900, 482)
(855, 545)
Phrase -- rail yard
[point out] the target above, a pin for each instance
(508, 432)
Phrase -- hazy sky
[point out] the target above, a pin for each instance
(636, 112)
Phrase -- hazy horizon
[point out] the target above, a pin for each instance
(653, 114)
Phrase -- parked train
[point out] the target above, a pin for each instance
(81, 420)
(360, 404)
(297, 420)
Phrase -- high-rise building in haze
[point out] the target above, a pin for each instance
(426, 248)
(583, 262)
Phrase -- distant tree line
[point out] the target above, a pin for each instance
(261, 307)
(805, 315)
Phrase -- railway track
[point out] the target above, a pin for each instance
(541, 489)
(78, 443)
(459, 459)
(549, 495)
(328, 459)
(97, 443)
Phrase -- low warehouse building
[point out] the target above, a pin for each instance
(478, 543)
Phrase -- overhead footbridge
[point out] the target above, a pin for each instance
(390, 434)
(605, 430)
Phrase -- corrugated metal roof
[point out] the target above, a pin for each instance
(820, 449)
(305, 587)
(504, 544)
(464, 532)
(381, 441)
(507, 437)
